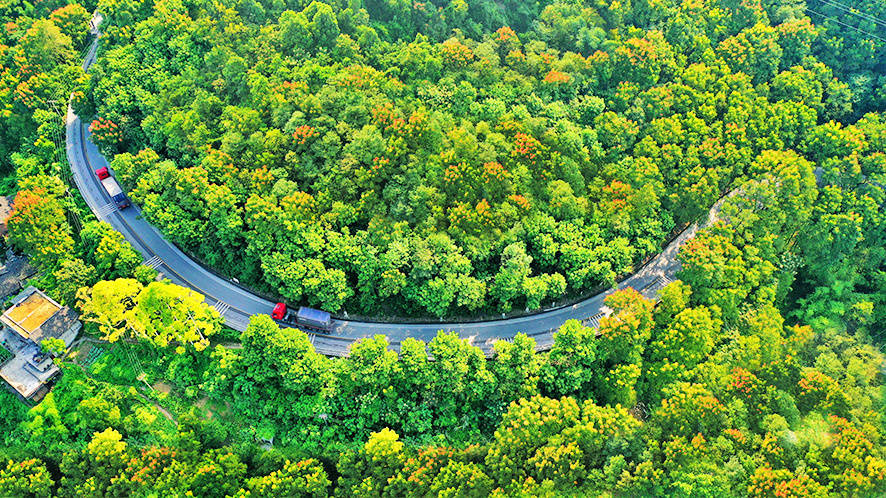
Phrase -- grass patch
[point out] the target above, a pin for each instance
(114, 366)
(227, 334)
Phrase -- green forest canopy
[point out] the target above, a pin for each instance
(461, 158)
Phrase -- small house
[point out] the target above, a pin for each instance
(33, 317)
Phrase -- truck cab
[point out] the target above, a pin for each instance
(102, 173)
(279, 312)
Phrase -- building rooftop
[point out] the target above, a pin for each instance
(36, 316)
(29, 368)
(15, 271)
(26, 316)
(59, 324)
(33, 316)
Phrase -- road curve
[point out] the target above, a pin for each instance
(236, 304)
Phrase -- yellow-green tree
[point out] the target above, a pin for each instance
(161, 312)
(366, 472)
(305, 478)
(27, 478)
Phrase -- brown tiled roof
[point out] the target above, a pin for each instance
(56, 325)
(39, 394)
(13, 274)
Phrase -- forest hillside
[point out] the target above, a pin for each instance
(457, 159)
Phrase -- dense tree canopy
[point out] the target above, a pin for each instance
(463, 159)
(447, 158)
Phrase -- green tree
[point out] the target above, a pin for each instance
(461, 479)
(572, 361)
(91, 472)
(688, 409)
(517, 368)
(161, 312)
(365, 472)
(46, 44)
(306, 478)
(73, 21)
(70, 277)
(754, 51)
(292, 376)
(527, 426)
(54, 346)
(28, 478)
(678, 348)
(106, 248)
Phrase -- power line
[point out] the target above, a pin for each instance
(64, 169)
(852, 10)
(847, 25)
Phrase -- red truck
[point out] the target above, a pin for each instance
(112, 187)
(309, 318)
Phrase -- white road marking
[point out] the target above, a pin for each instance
(153, 262)
(221, 307)
(106, 209)
(594, 321)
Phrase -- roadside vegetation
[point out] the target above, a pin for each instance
(451, 166)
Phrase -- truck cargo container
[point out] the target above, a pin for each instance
(115, 192)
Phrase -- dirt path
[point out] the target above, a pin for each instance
(231, 345)
(159, 408)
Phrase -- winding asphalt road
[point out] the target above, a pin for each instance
(236, 305)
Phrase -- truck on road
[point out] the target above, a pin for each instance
(309, 318)
(112, 188)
